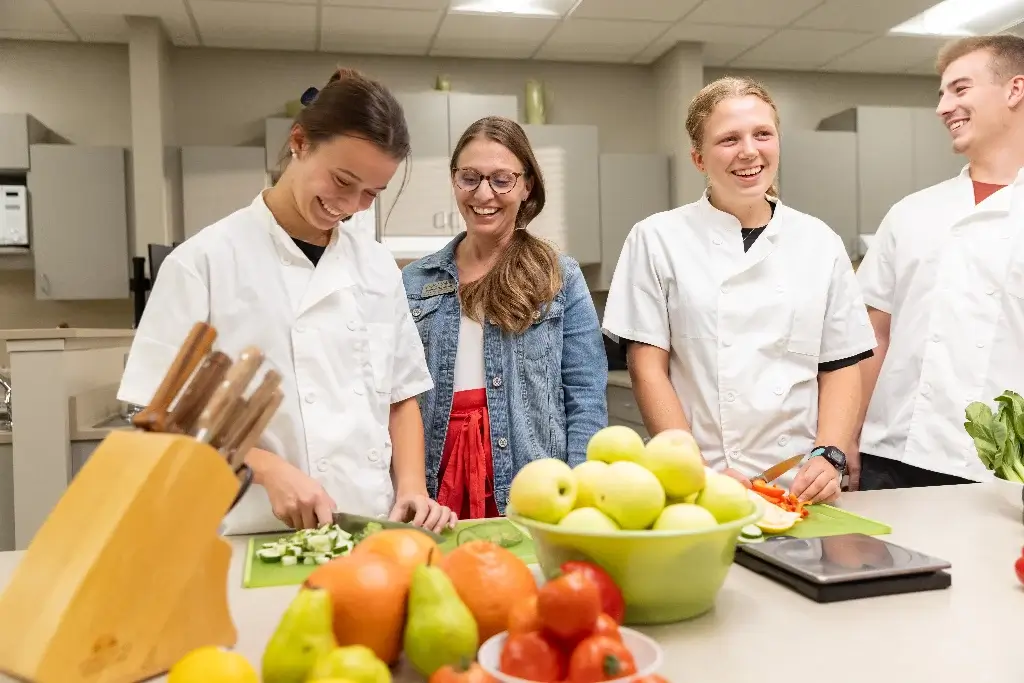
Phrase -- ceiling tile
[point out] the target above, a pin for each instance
(604, 37)
(391, 4)
(32, 16)
(751, 12)
(923, 69)
(256, 25)
(889, 54)
(800, 48)
(482, 49)
(721, 44)
(361, 29)
(464, 35)
(862, 15)
(171, 12)
(64, 36)
(587, 55)
(99, 28)
(642, 10)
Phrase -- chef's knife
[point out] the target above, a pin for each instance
(354, 524)
(248, 440)
(207, 377)
(222, 404)
(776, 471)
(196, 345)
(249, 411)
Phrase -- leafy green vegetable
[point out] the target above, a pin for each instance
(999, 435)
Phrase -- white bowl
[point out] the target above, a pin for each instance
(646, 653)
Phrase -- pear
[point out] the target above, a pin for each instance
(303, 635)
(440, 630)
(356, 663)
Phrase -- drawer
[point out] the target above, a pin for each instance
(622, 405)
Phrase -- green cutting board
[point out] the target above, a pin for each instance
(260, 574)
(825, 520)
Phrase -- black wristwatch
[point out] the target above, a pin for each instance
(833, 456)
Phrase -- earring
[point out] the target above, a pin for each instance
(294, 154)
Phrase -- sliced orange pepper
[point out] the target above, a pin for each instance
(767, 490)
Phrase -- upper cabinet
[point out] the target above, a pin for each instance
(17, 132)
(571, 219)
(276, 131)
(419, 201)
(632, 187)
(79, 217)
(217, 181)
(900, 150)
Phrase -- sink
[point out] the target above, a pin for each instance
(114, 422)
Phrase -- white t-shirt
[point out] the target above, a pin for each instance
(469, 359)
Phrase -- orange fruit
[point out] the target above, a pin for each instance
(491, 581)
(524, 618)
(368, 595)
(407, 547)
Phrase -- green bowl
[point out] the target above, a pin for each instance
(664, 576)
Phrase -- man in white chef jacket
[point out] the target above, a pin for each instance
(944, 282)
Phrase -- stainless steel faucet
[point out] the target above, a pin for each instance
(6, 392)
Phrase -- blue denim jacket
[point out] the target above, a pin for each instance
(546, 389)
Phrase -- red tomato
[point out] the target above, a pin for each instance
(532, 657)
(653, 678)
(600, 658)
(606, 626)
(569, 606)
(523, 618)
(473, 673)
(612, 602)
(1019, 568)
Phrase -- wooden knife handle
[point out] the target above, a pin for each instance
(256, 430)
(241, 422)
(196, 345)
(209, 375)
(220, 406)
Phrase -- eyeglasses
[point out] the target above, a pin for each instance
(502, 182)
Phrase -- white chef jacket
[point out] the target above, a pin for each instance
(951, 275)
(745, 331)
(340, 335)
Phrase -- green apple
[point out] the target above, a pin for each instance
(544, 490)
(615, 443)
(631, 495)
(587, 474)
(684, 517)
(588, 519)
(674, 458)
(725, 498)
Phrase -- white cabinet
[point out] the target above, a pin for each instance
(632, 187)
(900, 150)
(78, 214)
(217, 181)
(276, 131)
(17, 133)
(571, 219)
(818, 176)
(419, 201)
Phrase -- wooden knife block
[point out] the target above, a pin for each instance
(128, 572)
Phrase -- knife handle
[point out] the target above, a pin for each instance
(252, 436)
(207, 377)
(220, 406)
(196, 345)
(242, 420)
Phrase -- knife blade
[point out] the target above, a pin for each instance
(353, 524)
(776, 471)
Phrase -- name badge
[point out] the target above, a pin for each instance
(438, 288)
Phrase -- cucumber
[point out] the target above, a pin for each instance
(751, 531)
(309, 546)
(289, 560)
(269, 554)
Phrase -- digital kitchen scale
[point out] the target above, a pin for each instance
(844, 567)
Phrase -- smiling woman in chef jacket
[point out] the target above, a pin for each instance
(326, 304)
(743, 315)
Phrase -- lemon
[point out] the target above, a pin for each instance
(212, 665)
(776, 520)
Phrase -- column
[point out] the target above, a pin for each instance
(678, 75)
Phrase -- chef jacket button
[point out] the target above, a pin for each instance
(730, 396)
(352, 325)
(780, 288)
(310, 397)
(373, 456)
(778, 390)
(726, 342)
(502, 442)
(990, 291)
(717, 240)
(783, 440)
(725, 289)
(286, 261)
(358, 389)
(496, 381)
(956, 231)
(935, 337)
(322, 465)
(300, 329)
(417, 312)
(981, 345)
(925, 389)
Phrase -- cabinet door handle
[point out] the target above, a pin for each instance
(44, 284)
(439, 220)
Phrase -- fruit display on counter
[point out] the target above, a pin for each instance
(629, 486)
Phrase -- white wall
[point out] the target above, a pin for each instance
(222, 97)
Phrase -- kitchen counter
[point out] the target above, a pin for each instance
(967, 632)
(67, 333)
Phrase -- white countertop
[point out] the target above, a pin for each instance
(66, 333)
(760, 630)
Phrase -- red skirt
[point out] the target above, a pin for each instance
(467, 470)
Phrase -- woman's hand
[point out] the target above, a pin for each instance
(816, 482)
(297, 499)
(737, 475)
(419, 510)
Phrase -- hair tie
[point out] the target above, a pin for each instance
(308, 96)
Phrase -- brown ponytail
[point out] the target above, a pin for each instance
(527, 275)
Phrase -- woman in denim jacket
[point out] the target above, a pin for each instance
(511, 336)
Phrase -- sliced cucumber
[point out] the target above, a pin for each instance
(310, 546)
(289, 560)
(269, 554)
(751, 531)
